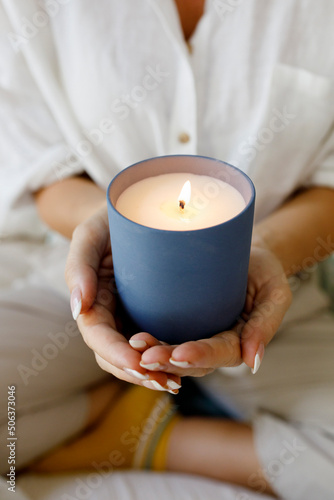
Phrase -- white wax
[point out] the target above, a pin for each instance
(153, 202)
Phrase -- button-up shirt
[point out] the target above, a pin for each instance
(97, 86)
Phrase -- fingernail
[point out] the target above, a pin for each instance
(173, 392)
(258, 358)
(180, 364)
(136, 374)
(153, 384)
(137, 343)
(150, 366)
(76, 302)
(171, 384)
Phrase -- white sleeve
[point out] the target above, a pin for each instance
(323, 173)
(33, 152)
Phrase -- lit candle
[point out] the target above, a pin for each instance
(181, 260)
(158, 203)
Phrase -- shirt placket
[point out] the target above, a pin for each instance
(182, 131)
(183, 125)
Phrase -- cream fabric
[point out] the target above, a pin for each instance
(87, 86)
(131, 486)
(44, 356)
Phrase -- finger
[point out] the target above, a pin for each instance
(115, 355)
(153, 367)
(195, 358)
(117, 372)
(106, 297)
(98, 330)
(157, 357)
(269, 309)
(143, 341)
(222, 349)
(89, 243)
(155, 381)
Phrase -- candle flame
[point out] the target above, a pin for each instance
(185, 195)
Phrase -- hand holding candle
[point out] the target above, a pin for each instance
(195, 256)
(181, 275)
(86, 269)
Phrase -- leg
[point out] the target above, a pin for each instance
(291, 404)
(215, 448)
(45, 358)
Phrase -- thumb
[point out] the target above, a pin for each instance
(88, 247)
(268, 312)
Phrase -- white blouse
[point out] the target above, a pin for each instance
(96, 86)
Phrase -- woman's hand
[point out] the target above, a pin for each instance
(89, 275)
(285, 242)
(268, 299)
(146, 361)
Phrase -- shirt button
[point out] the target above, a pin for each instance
(184, 137)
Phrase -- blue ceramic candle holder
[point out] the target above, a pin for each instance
(182, 285)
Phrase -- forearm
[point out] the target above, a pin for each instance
(67, 203)
(301, 232)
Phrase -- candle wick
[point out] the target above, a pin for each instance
(182, 204)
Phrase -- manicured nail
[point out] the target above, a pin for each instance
(153, 384)
(76, 302)
(136, 374)
(173, 392)
(258, 358)
(150, 366)
(174, 386)
(179, 364)
(137, 343)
